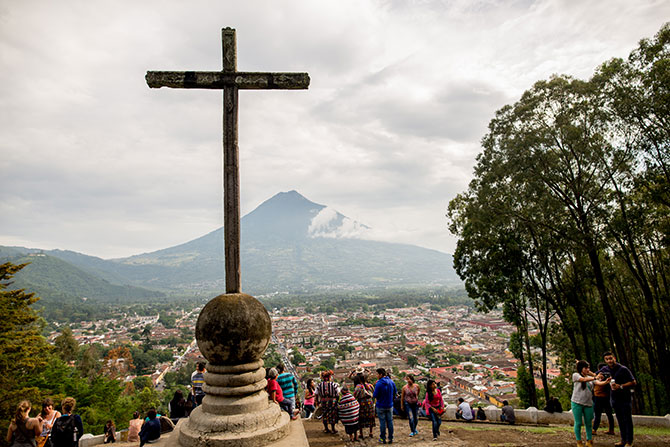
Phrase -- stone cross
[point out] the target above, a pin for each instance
(230, 81)
(233, 329)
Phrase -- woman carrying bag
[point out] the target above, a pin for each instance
(49, 415)
(434, 406)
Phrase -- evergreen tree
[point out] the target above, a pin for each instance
(23, 350)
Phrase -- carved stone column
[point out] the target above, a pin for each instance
(233, 331)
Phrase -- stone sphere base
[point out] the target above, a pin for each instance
(233, 331)
(235, 412)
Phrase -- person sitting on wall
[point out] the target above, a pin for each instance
(151, 430)
(464, 411)
(554, 405)
(507, 413)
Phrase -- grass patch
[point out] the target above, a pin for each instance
(547, 430)
(489, 427)
(540, 430)
(652, 431)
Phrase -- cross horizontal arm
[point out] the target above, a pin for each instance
(219, 79)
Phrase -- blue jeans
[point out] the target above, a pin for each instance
(309, 409)
(624, 416)
(289, 402)
(385, 416)
(436, 419)
(412, 415)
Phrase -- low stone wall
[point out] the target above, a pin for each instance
(534, 416)
(89, 440)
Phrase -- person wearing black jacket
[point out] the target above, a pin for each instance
(64, 432)
(151, 430)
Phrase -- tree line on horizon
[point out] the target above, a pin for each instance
(567, 221)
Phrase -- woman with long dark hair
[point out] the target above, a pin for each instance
(582, 402)
(308, 402)
(23, 429)
(177, 406)
(409, 401)
(110, 432)
(434, 406)
(49, 415)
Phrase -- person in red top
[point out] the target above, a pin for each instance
(274, 390)
(434, 406)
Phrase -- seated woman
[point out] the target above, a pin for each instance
(177, 406)
(134, 427)
(110, 432)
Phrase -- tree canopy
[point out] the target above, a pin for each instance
(568, 215)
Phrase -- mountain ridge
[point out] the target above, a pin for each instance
(288, 243)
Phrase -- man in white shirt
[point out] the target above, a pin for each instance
(464, 411)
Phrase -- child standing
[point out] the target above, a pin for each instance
(347, 409)
(308, 403)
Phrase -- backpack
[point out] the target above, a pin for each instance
(63, 432)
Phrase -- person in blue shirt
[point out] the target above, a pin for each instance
(151, 430)
(289, 388)
(384, 393)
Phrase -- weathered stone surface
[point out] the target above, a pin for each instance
(217, 80)
(248, 436)
(235, 404)
(232, 329)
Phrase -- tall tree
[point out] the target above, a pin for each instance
(23, 350)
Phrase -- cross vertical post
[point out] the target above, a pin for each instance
(231, 172)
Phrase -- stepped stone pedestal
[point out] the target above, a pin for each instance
(233, 331)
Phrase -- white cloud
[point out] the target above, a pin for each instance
(329, 223)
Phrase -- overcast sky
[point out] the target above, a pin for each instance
(401, 92)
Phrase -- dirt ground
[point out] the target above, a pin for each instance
(478, 434)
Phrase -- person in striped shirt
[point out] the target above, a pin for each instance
(197, 381)
(347, 409)
(289, 387)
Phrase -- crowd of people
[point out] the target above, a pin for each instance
(52, 429)
(607, 390)
(360, 407)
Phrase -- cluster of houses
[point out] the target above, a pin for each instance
(464, 351)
